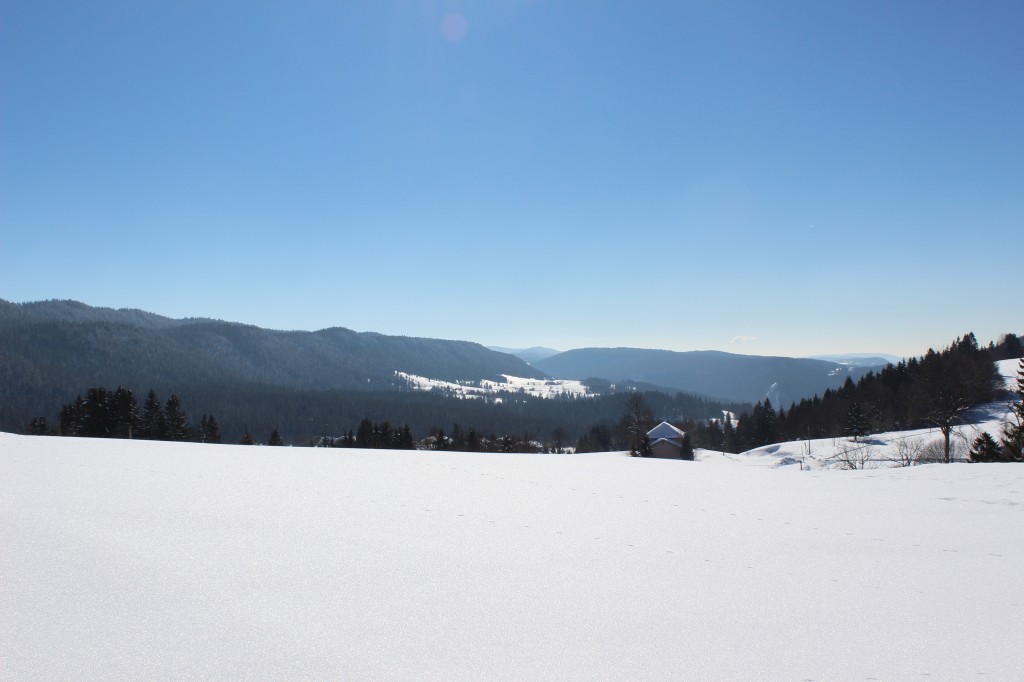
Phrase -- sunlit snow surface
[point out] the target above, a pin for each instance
(137, 560)
(537, 388)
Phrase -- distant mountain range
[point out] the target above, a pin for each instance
(81, 345)
(747, 378)
(860, 359)
(54, 350)
(51, 351)
(530, 355)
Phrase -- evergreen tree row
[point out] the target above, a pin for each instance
(382, 435)
(373, 436)
(932, 391)
(103, 413)
(302, 417)
(1008, 348)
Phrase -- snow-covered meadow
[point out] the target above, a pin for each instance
(536, 388)
(145, 560)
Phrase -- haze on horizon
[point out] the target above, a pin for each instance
(775, 179)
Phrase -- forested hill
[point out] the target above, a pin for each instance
(56, 349)
(723, 375)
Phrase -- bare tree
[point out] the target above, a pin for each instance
(947, 409)
(853, 456)
(907, 452)
(932, 452)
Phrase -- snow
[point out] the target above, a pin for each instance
(538, 388)
(162, 561)
(886, 449)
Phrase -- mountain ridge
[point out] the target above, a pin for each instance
(51, 351)
(728, 376)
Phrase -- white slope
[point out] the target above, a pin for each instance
(895, 448)
(136, 560)
(537, 388)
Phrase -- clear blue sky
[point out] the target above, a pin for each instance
(765, 177)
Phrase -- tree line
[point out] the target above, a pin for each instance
(933, 391)
(374, 435)
(301, 417)
(105, 413)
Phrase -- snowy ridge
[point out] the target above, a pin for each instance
(537, 388)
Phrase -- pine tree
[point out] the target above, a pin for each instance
(645, 448)
(472, 441)
(458, 439)
(686, 451)
(97, 419)
(209, 430)
(985, 449)
(728, 435)
(176, 419)
(856, 422)
(364, 434)
(275, 438)
(385, 435)
(38, 427)
(636, 422)
(404, 439)
(153, 423)
(69, 423)
(126, 412)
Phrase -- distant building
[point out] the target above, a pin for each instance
(666, 441)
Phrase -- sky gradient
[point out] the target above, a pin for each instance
(786, 178)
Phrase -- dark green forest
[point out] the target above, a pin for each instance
(303, 417)
(936, 390)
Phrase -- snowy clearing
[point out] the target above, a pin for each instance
(537, 388)
(146, 560)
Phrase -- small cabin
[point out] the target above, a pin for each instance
(666, 441)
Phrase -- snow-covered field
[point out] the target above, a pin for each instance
(537, 388)
(142, 560)
(880, 450)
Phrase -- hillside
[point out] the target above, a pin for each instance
(50, 351)
(894, 448)
(728, 376)
(146, 560)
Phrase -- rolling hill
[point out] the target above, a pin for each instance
(52, 350)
